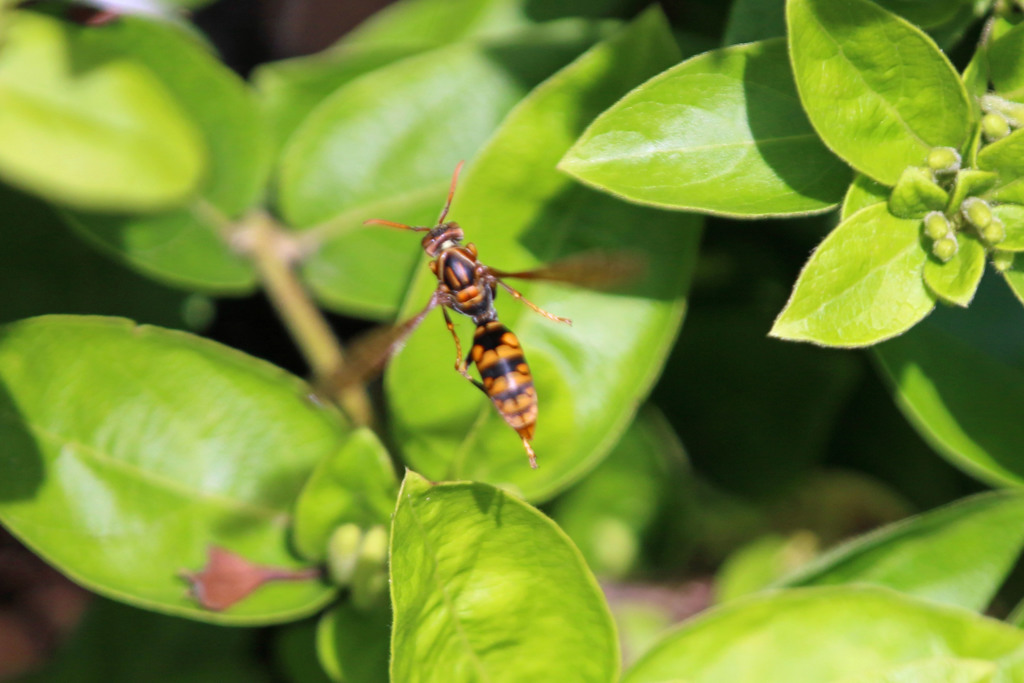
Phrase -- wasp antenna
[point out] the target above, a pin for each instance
(451, 193)
(392, 224)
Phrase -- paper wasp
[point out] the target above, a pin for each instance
(468, 286)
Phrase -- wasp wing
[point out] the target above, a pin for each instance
(602, 270)
(366, 356)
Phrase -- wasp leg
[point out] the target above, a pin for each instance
(516, 295)
(529, 452)
(460, 364)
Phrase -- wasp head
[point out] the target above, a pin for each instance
(441, 237)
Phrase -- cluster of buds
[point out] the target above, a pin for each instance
(1000, 118)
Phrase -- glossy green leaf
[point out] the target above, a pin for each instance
(184, 247)
(1012, 216)
(291, 88)
(356, 485)
(609, 513)
(1006, 63)
(85, 128)
(352, 644)
(481, 587)
(826, 634)
(44, 268)
(957, 280)
(862, 285)
(859, 71)
(862, 193)
(431, 23)
(757, 155)
(1006, 158)
(958, 554)
(520, 211)
(129, 450)
(916, 193)
(385, 145)
(162, 650)
(970, 182)
(959, 381)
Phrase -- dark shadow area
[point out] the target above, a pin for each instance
(21, 462)
(486, 498)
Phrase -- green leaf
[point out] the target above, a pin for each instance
(1006, 158)
(129, 450)
(825, 634)
(520, 212)
(291, 88)
(957, 280)
(85, 128)
(970, 182)
(862, 193)
(432, 23)
(609, 513)
(163, 650)
(45, 268)
(481, 585)
(916, 193)
(859, 71)
(356, 485)
(959, 382)
(1012, 216)
(352, 644)
(757, 155)
(384, 146)
(862, 285)
(958, 554)
(1006, 63)
(185, 247)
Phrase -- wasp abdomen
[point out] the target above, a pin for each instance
(506, 376)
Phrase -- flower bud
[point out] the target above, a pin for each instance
(936, 225)
(977, 212)
(945, 248)
(994, 126)
(993, 233)
(1002, 260)
(944, 160)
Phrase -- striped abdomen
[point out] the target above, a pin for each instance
(505, 376)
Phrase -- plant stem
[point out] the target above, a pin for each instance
(273, 254)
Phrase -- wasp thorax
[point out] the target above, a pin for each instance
(443, 236)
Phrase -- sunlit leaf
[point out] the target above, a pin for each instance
(827, 634)
(862, 285)
(858, 70)
(481, 585)
(87, 128)
(129, 450)
(185, 247)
